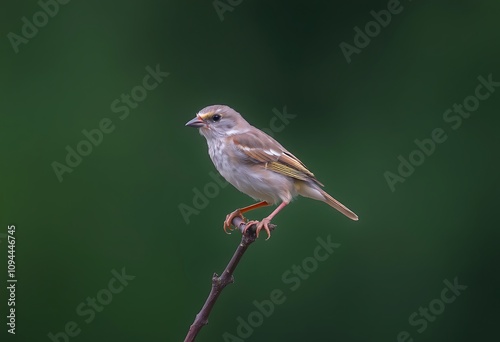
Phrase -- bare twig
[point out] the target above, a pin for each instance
(220, 282)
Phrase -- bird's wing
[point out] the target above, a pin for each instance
(255, 146)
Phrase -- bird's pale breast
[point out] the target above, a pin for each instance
(250, 178)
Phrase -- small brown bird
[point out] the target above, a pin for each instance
(257, 165)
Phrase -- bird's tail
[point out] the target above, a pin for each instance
(332, 202)
(315, 192)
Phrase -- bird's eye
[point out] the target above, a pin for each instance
(216, 117)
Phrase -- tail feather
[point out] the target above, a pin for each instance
(332, 202)
(315, 192)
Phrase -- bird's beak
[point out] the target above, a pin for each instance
(197, 122)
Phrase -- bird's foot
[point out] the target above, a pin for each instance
(229, 220)
(264, 224)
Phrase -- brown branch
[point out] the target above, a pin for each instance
(220, 282)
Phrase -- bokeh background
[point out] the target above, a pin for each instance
(120, 207)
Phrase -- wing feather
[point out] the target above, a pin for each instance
(259, 148)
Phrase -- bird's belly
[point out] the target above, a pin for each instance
(263, 185)
(254, 180)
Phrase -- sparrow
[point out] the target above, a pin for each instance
(257, 165)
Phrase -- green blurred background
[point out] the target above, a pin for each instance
(120, 207)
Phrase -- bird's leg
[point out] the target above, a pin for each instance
(239, 213)
(264, 224)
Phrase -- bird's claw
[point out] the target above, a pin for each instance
(264, 224)
(229, 219)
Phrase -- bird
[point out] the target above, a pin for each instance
(257, 165)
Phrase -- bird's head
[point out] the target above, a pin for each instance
(218, 121)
